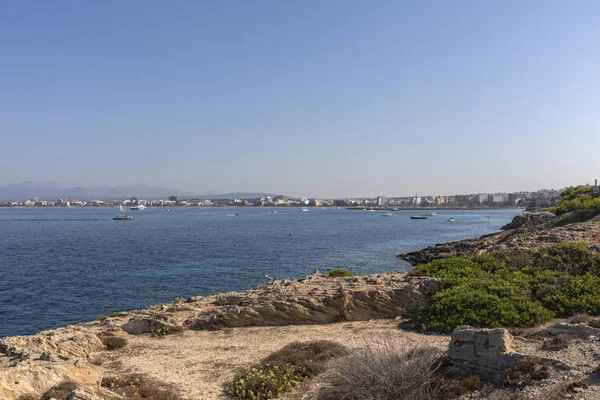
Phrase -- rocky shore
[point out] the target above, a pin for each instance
(526, 231)
(195, 345)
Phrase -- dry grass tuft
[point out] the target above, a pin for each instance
(28, 397)
(528, 370)
(60, 391)
(112, 342)
(386, 370)
(456, 388)
(555, 344)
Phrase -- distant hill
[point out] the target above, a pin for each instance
(51, 191)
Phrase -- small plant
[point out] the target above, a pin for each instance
(28, 397)
(137, 387)
(555, 344)
(339, 272)
(283, 370)
(179, 300)
(119, 314)
(456, 388)
(60, 391)
(113, 342)
(167, 330)
(529, 369)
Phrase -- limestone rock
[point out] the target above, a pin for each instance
(485, 352)
(137, 326)
(581, 330)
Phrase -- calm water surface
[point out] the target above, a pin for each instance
(61, 266)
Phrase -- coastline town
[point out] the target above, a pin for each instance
(530, 200)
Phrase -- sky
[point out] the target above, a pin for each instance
(334, 98)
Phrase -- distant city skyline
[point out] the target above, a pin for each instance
(332, 99)
(142, 190)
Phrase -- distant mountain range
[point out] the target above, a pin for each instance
(51, 191)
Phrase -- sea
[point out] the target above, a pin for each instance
(60, 266)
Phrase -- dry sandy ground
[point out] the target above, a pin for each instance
(199, 363)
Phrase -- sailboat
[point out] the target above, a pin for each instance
(121, 208)
(417, 216)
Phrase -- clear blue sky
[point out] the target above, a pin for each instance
(308, 98)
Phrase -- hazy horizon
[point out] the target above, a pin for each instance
(309, 99)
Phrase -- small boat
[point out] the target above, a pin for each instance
(122, 217)
(141, 207)
(418, 217)
(121, 208)
(339, 208)
(167, 209)
(372, 210)
(431, 214)
(304, 209)
(387, 214)
(451, 219)
(274, 212)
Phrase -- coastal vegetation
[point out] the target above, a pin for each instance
(339, 272)
(283, 370)
(167, 330)
(579, 201)
(112, 342)
(520, 288)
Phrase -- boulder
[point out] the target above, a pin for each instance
(137, 326)
(487, 353)
(580, 330)
(79, 394)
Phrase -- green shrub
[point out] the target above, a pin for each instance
(578, 199)
(520, 288)
(339, 272)
(167, 330)
(178, 300)
(281, 371)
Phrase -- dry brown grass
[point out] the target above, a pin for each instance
(453, 388)
(528, 370)
(386, 370)
(28, 397)
(113, 342)
(60, 391)
(555, 344)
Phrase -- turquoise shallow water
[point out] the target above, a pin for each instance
(61, 266)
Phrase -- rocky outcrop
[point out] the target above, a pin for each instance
(320, 300)
(487, 353)
(529, 235)
(582, 331)
(531, 220)
(137, 326)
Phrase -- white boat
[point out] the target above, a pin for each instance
(167, 209)
(451, 219)
(339, 208)
(387, 214)
(371, 210)
(431, 213)
(274, 212)
(140, 207)
(121, 208)
(304, 209)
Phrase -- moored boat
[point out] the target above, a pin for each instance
(418, 217)
(122, 217)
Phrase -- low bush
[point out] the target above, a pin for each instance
(528, 370)
(138, 387)
(386, 370)
(283, 370)
(339, 272)
(521, 288)
(453, 388)
(178, 300)
(167, 330)
(60, 391)
(113, 342)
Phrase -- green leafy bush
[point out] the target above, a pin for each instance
(339, 272)
(167, 330)
(521, 288)
(578, 198)
(283, 370)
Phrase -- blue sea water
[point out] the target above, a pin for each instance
(62, 266)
